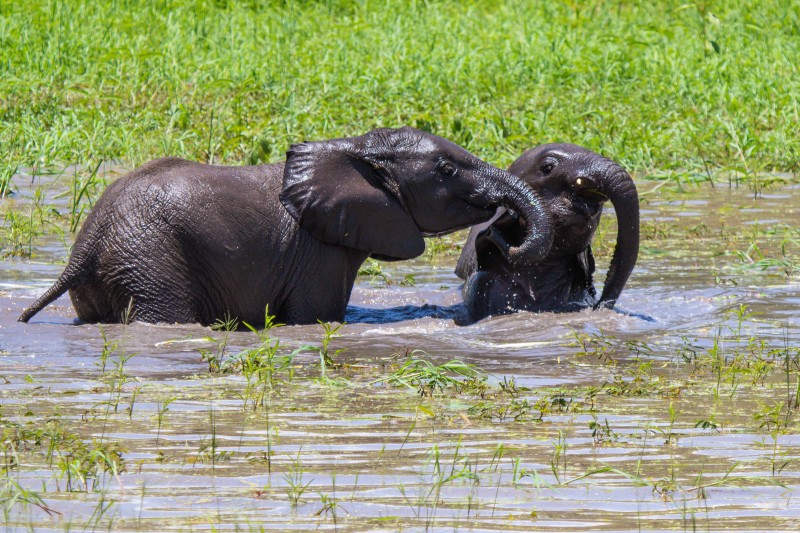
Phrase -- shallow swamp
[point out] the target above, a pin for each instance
(678, 411)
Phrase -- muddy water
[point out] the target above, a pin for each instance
(633, 429)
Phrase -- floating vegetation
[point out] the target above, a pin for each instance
(655, 396)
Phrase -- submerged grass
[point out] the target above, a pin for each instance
(325, 437)
(463, 447)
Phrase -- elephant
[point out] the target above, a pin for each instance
(183, 242)
(574, 182)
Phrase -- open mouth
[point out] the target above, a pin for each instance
(504, 233)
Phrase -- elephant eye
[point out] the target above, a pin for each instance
(447, 168)
(548, 165)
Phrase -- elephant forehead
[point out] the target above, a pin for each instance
(561, 150)
(432, 146)
(404, 140)
(416, 145)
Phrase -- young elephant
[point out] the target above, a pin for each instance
(177, 241)
(574, 183)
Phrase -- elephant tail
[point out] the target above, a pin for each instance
(69, 279)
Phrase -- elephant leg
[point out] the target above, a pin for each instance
(308, 304)
(320, 290)
(92, 303)
(164, 296)
(149, 283)
(128, 302)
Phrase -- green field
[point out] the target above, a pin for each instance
(694, 88)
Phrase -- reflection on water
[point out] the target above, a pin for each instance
(601, 452)
(373, 315)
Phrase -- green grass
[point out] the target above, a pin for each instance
(699, 88)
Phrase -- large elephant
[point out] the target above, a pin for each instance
(178, 241)
(574, 183)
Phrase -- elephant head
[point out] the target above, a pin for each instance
(574, 183)
(384, 191)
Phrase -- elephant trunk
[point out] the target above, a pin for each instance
(620, 189)
(515, 194)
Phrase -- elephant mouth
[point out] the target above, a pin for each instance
(505, 232)
(509, 230)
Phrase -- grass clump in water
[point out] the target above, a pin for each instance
(420, 374)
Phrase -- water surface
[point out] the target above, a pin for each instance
(614, 422)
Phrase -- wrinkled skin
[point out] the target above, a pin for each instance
(178, 241)
(574, 183)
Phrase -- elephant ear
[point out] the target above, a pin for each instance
(468, 260)
(338, 193)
